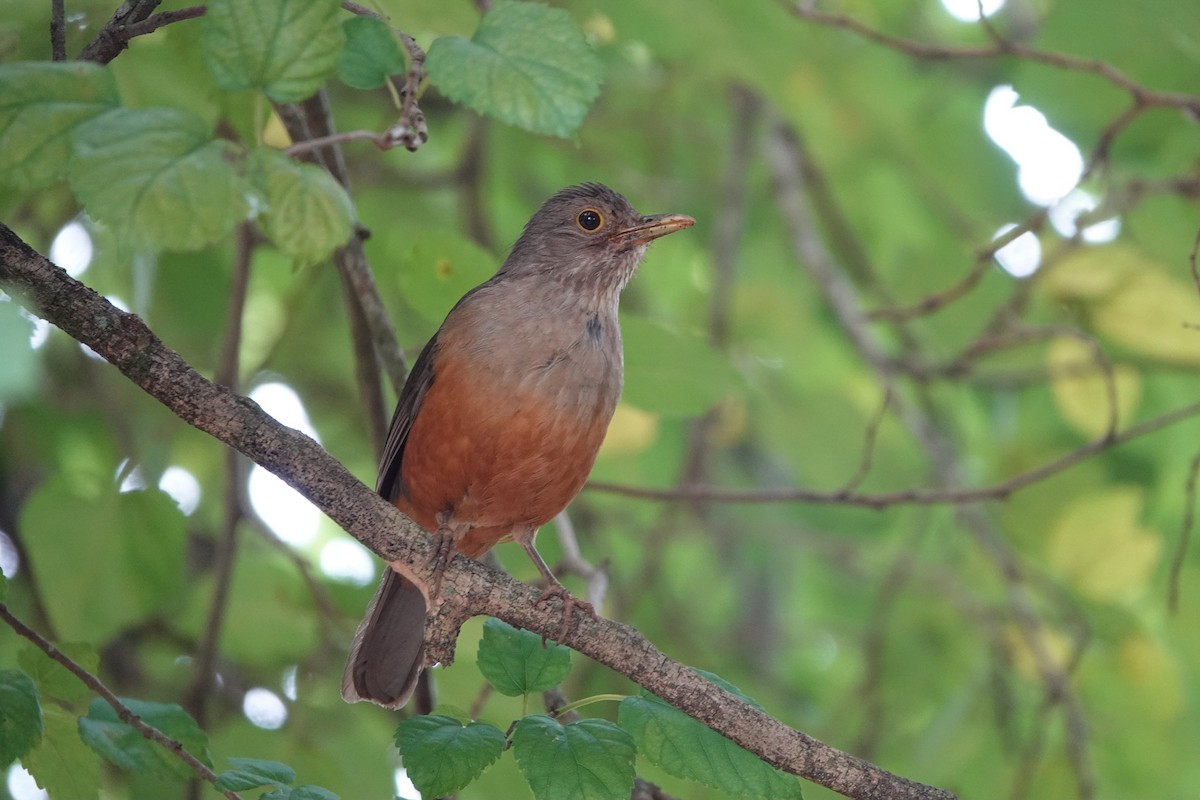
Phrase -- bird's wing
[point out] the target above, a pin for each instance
(407, 406)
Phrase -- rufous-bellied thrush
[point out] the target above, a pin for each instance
(500, 420)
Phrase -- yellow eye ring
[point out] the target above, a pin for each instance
(590, 220)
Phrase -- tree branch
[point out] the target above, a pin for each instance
(96, 685)
(1000, 48)
(470, 588)
(58, 30)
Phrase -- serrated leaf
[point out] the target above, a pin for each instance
(308, 792)
(52, 678)
(1081, 388)
(442, 755)
(61, 763)
(515, 662)
(673, 373)
(527, 64)
(1099, 545)
(156, 177)
(119, 743)
(308, 213)
(591, 759)
(685, 748)
(287, 48)
(41, 103)
(250, 773)
(20, 715)
(371, 53)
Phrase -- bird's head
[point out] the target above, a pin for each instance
(589, 238)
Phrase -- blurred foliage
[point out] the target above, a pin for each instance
(892, 634)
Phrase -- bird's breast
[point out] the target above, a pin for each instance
(509, 429)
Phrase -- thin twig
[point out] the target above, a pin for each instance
(108, 42)
(58, 30)
(983, 265)
(196, 696)
(1192, 261)
(1000, 48)
(1185, 536)
(161, 19)
(999, 491)
(574, 563)
(868, 451)
(123, 711)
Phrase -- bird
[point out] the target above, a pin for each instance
(499, 422)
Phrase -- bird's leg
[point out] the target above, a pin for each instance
(443, 551)
(525, 537)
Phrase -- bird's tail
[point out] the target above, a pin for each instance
(387, 656)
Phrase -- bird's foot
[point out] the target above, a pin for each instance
(443, 552)
(570, 603)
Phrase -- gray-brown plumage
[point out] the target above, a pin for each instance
(500, 420)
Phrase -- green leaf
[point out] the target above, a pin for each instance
(591, 759)
(19, 367)
(119, 743)
(371, 53)
(61, 763)
(308, 792)
(685, 748)
(20, 715)
(156, 177)
(515, 662)
(41, 103)
(86, 542)
(528, 65)
(287, 48)
(436, 268)
(277, 621)
(52, 678)
(308, 213)
(673, 373)
(250, 773)
(442, 755)
(3, 587)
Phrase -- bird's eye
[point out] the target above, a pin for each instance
(590, 219)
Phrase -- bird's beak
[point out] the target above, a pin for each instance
(650, 228)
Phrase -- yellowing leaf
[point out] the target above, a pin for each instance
(1153, 675)
(1090, 273)
(631, 431)
(1133, 300)
(275, 133)
(730, 422)
(1150, 314)
(1098, 546)
(1056, 644)
(1081, 388)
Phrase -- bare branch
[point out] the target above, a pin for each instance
(1000, 48)
(58, 30)
(924, 497)
(1185, 536)
(123, 712)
